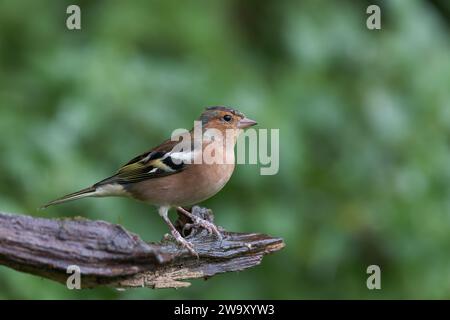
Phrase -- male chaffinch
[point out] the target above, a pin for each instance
(167, 177)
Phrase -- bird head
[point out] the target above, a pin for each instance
(223, 118)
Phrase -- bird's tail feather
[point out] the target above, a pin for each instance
(87, 192)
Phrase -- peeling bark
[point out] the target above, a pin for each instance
(109, 255)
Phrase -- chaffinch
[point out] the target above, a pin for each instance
(168, 177)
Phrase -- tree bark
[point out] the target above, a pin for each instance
(109, 255)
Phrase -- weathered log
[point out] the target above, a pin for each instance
(109, 255)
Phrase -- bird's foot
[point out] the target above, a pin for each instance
(199, 222)
(208, 226)
(184, 243)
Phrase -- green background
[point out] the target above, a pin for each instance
(364, 119)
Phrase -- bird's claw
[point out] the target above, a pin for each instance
(208, 226)
(184, 243)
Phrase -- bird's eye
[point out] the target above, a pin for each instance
(227, 118)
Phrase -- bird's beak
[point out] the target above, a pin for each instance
(245, 123)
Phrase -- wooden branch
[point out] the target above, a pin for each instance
(109, 255)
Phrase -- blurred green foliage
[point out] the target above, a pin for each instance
(364, 119)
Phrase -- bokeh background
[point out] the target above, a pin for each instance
(364, 119)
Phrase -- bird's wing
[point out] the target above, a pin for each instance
(156, 163)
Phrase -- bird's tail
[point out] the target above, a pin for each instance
(87, 192)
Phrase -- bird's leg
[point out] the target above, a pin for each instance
(209, 226)
(163, 212)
